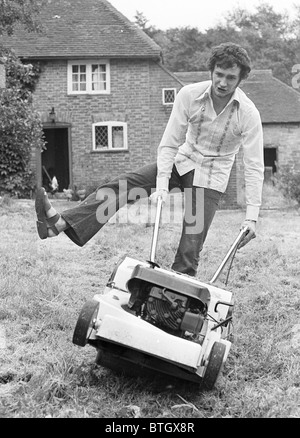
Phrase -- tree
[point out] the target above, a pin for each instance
(272, 40)
(21, 130)
(269, 38)
(141, 21)
(23, 12)
(20, 126)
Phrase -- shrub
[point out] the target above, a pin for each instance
(20, 127)
(287, 179)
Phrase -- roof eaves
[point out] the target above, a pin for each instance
(173, 75)
(277, 122)
(90, 56)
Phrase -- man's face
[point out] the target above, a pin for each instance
(225, 81)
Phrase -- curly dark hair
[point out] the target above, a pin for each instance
(227, 55)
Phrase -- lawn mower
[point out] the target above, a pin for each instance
(150, 318)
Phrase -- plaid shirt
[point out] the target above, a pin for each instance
(196, 138)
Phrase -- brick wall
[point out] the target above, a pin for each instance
(136, 98)
(159, 79)
(285, 137)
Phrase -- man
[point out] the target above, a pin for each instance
(209, 123)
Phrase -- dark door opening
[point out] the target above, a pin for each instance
(270, 158)
(55, 159)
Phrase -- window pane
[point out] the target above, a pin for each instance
(101, 134)
(169, 96)
(98, 86)
(98, 77)
(79, 77)
(117, 137)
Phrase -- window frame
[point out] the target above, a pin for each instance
(88, 63)
(110, 124)
(163, 95)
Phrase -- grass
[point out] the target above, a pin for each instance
(43, 285)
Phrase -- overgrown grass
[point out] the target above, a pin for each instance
(43, 285)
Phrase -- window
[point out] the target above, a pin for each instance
(89, 77)
(109, 136)
(169, 95)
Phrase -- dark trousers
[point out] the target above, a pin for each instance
(86, 219)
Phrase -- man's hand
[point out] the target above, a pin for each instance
(159, 193)
(251, 225)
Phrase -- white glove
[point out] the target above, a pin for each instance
(159, 193)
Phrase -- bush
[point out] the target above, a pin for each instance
(287, 180)
(20, 127)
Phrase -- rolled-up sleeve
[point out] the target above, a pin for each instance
(173, 137)
(253, 152)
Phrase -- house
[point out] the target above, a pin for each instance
(104, 98)
(103, 95)
(279, 107)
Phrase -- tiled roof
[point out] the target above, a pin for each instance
(190, 77)
(83, 29)
(276, 101)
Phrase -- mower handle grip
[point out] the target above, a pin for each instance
(231, 251)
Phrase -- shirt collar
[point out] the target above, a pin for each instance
(207, 94)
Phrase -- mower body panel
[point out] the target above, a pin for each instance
(116, 325)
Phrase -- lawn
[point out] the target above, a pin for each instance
(44, 284)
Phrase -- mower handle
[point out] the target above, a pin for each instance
(156, 229)
(231, 251)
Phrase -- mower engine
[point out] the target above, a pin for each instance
(177, 313)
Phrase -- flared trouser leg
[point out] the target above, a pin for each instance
(86, 219)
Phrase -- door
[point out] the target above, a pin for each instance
(55, 159)
(270, 159)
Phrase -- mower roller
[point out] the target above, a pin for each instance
(150, 318)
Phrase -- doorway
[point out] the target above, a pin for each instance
(55, 159)
(270, 159)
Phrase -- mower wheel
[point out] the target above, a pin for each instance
(85, 323)
(214, 365)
